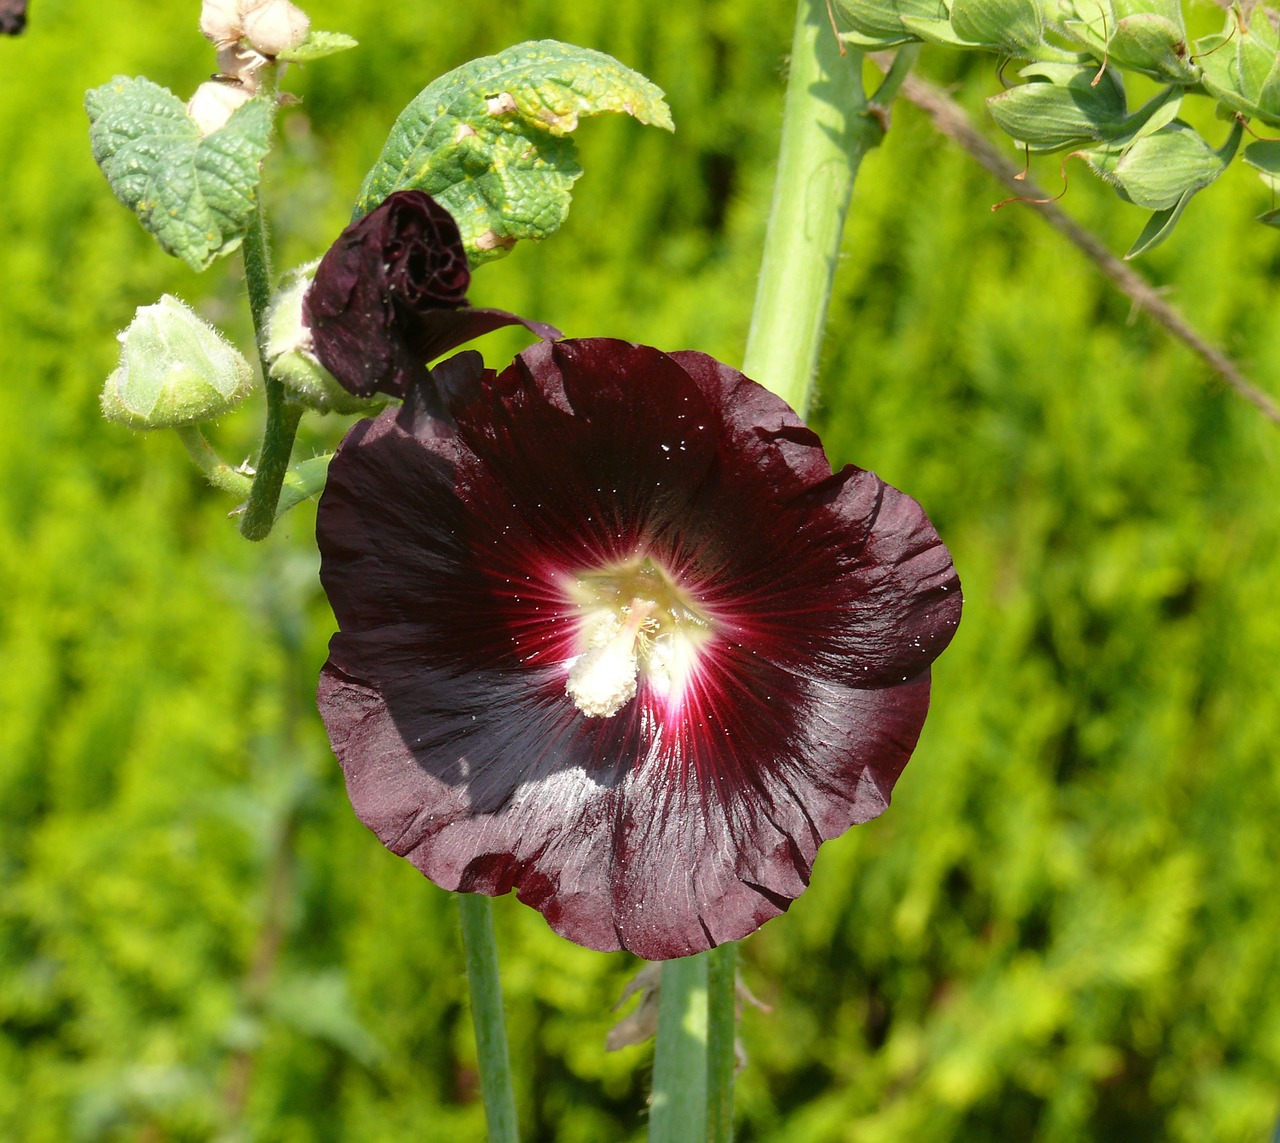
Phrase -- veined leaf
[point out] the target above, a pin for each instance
(490, 142)
(195, 194)
(316, 46)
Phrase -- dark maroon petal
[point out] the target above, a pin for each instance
(390, 295)
(438, 331)
(487, 790)
(385, 545)
(685, 818)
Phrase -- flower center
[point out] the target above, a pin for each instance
(634, 622)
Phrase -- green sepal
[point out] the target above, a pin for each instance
(1070, 107)
(195, 195)
(878, 23)
(316, 46)
(489, 140)
(1011, 27)
(1159, 226)
(1066, 108)
(1147, 36)
(1241, 68)
(1159, 170)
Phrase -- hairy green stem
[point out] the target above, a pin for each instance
(722, 1003)
(486, 1014)
(216, 470)
(678, 1102)
(826, 129)
(282, 415)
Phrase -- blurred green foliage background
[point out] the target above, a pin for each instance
(1066, 928)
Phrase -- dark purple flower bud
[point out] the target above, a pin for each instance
(613, 635)
(13, 16)
(391, 295)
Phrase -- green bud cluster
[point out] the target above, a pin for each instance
(1073, 98)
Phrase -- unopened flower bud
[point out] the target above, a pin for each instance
(291, 358)
(273, 26)
(220, 21)
(214, 103)
(174, 370)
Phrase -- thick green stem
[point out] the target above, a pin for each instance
(678, 1103)
(827, 126)
(256, 252)
(282, 415)
(826, 129)
(722, 1003)
(486, 1014)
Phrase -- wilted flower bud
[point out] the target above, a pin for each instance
(220, 21)
(391, 295)
(273, 26)
(214, 103)
(290, 354)
(174, 370)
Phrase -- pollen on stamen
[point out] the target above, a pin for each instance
(604, 678)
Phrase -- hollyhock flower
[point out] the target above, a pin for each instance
(390, 295)
(613, 635)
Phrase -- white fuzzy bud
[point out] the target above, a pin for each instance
(220, 21)
(273, 26)
(214, 103)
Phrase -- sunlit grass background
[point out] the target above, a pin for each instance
(1066, 928)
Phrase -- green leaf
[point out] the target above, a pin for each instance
(1159, 226)
(489, 140)
(316, 46)
(195, 195)
(303, 480)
